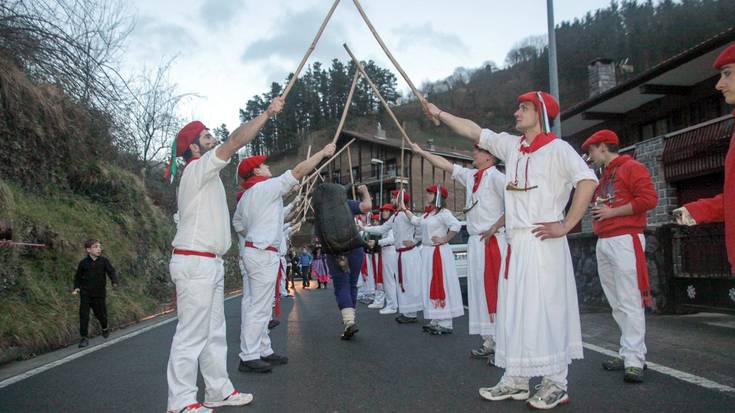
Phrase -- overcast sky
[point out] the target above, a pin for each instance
(229, 50)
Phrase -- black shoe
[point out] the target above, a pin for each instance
(350, 331)
(275, 359)
(402, 319)
(83, 342)
(440, 331)
(273, 324)
(255, 366)
(427, 328)
(106, 333)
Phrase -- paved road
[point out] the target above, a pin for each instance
(387, 368)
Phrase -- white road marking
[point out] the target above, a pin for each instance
(92, 349)
(677, 374)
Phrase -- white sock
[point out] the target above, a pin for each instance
(488, 342)
(348, 316)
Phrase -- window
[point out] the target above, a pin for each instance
(356, 173)
(336, 178)
(391, 169)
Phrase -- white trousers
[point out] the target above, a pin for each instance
(200, 339)
(258, 295)
(616, 265)
(390, 276)
(479, 317)
(366, 283)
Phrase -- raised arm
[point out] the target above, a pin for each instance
(304, 167)
(366, 203)
(248, 131)
(461, 126)
(436, 160)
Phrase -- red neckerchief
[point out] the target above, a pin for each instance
(478, 177)
(541, 140)
(609, 174)
(428, 210)
(252, 181)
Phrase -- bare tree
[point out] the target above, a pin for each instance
(154, 113)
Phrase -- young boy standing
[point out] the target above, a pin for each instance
(90, 283)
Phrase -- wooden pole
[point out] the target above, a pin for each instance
(415, 91)
(347, 107)
(313, 174)
(352, 177)
(403, 150)
(311, 49)
(377, 93)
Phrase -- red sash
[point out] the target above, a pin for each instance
(641, 266)
(436, 289)
(400, 252)
(278, 284)
(492, 275)
(507, 262)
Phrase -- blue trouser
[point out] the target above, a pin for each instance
(345, 283)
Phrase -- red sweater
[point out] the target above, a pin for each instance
(722, 207)
(629, 181)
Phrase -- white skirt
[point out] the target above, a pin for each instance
(479, 317)
(453, 306)
(538, 329)
(410, 294)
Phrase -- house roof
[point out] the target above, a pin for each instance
(396, 143)
(673, 75)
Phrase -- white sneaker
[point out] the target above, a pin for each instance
(504, 390)
(234, 399)
(376, 305)
(388, 310)
(548, 396)
(193, 408)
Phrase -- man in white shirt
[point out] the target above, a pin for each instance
(486, 247)
(537, 324)
(202, 237)
(259, 219)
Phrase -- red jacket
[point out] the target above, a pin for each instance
(722, 207)
(629, 182)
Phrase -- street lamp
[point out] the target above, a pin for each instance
(379, 162)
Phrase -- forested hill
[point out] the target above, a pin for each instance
(635, 34)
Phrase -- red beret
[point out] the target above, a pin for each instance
(725, 58)
(552, 106)
(432, 190)
(603, 136)
(187, 135)
(248, 164)
(388, 207)
(405, 194)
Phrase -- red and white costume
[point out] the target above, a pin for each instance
(537, 325)
(259, 218)
(621, 261)
(197, 271)
(485, 193)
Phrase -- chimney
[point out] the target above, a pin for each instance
(601, 74)
(380, 133)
